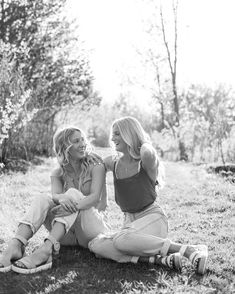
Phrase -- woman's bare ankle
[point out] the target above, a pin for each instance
(190, 249)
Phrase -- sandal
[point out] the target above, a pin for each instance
(198, 258)
(26, 266)
(7, 268)
(172, 261)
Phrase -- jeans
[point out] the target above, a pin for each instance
(143, 234)
(80, 227)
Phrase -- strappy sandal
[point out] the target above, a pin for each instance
(7, 268)
(172, 261)
(198, 258)
(26, 266)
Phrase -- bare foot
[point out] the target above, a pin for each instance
(38, 257)
(13, 252)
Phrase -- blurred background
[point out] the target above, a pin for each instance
(168, 63)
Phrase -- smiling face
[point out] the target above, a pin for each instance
(119, 143)
(78, 148)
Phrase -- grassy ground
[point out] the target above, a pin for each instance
(200, 207)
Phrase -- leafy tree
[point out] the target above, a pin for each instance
(13, 98)
(208, 118)
(56, 77)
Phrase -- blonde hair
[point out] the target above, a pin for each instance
(61, 146)
(132, 134)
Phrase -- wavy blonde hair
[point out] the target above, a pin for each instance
(61, 145)
(134, 136)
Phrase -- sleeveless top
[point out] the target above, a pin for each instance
(71, 180)
(135, 193)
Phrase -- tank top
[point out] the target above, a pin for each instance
(135, 193)
(71, 180)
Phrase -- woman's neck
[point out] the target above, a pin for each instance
(126, 157)
(76, 165)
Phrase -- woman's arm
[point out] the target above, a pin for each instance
(57, 192)
(149, 160)
(103, 203)
(97, 184)
(108, 163)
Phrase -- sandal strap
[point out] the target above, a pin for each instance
(26, 262)
(21, 239)
(183, 249)
(193, 255)
(55, 243)
(167, 261)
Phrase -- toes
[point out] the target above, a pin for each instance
(19, 264)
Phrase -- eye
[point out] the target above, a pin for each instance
(76, 141)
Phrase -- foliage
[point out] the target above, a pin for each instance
(55, 70)
(208, 119)
(98, 121)
(13, 96)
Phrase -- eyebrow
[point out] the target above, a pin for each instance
(77, 138)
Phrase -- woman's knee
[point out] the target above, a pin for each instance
(121, 240)
(96, 244)
(77, 195)
(43, 201)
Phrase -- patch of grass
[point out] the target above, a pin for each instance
(200, 207)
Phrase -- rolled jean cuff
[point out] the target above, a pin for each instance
(66, 221)
(62, 221)
(165, 247)
(32, 227)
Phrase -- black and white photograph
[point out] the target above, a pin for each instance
(117, 147)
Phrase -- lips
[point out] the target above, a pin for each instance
(82, 150)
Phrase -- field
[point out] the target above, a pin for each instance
(200, 207)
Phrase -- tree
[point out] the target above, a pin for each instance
(163, 58)
(55, 77)
(208, 118)
(13, 97)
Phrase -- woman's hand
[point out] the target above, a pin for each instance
(68, 204)
(59, 211)
(95, 159)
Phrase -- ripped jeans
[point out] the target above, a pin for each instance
(80, 227)
(143, 234)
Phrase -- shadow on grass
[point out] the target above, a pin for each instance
(76, 270)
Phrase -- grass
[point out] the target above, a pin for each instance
(200, 208)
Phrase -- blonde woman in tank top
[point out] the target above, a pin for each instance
(70, 214)
(143, 237)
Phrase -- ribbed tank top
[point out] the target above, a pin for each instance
(135, 193)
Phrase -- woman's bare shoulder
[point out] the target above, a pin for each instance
(109, 162)
(57, 172)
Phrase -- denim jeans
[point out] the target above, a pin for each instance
(80, 227)
(143, 234)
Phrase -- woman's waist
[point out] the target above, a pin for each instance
(135, 203)
(153, 208)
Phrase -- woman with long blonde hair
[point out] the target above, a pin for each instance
(137, 172)
(71, 213)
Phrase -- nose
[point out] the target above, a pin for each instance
(83, 144)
